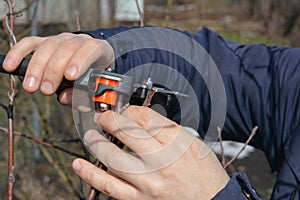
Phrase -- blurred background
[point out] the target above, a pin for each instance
(45, 173)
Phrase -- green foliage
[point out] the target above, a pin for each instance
(251, 37)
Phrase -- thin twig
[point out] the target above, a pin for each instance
(223, 159)
(11, 94)
(3, 106)
(77, 20)
(41, 142)
(28, 5)
(11, 33)
(141, 13)
(254, 130)
(76, 140)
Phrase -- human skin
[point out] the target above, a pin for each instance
(54, 57)
(195, 174)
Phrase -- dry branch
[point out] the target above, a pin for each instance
(226, 163)
(223, 159)
(41, 142)
(11, 95)
(243, 148)
(77, 21)
(141, 13)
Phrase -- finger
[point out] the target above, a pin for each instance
(76, 98)
(19, 51)
(56, 65)
(158, 126)
(38, 63)
(91, 51)
(103, 181)
(65, 97)
(109, 154)
(128, 132)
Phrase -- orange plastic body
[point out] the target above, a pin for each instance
(108, 97)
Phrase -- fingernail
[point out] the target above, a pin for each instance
(47, 86)
(76, 165)
(88, 136)
(72, 71)
(30, 81)
(7, 62)
(65, 97)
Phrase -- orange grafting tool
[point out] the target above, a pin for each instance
(109, 96)
(108, 87)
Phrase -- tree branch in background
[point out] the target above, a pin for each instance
(224, 161)
(141, 13)
(11, 95)
(64, 177)
(3, 106)
(77, 20)
(41, 142)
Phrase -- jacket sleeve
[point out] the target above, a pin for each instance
(237, 188)
(261, 84)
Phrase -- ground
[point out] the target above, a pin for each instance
(259, 173)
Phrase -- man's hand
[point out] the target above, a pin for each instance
(65, 55)
(166, 161)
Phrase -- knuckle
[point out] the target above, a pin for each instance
(52, 70)
(155, 189)
(56, 65)
(113, 159)
(65, 35)
(108, 186)
(37, 62)
(51, 40)
(70, 45)
(82, 35)
(27, 39)
(88, 177)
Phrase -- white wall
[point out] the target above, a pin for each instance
(90, 11)
(126, 10)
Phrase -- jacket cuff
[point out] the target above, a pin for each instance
(238, 188)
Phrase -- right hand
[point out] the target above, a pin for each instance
(65, 55)
(167, 163)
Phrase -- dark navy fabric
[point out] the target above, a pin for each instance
(262, 89)
(238, 187)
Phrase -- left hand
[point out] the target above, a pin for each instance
(170, 162)
(54, 57)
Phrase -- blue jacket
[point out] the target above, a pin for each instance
(262, 86)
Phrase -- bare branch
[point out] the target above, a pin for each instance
(76, 140)
(28, 5)
(254, 130)
(141, 13)
(77, 20)
(11, 94)
(11, 33)
(3, 106)
(41, 142)
(223, 159)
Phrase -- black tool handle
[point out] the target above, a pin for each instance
(21, 71)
